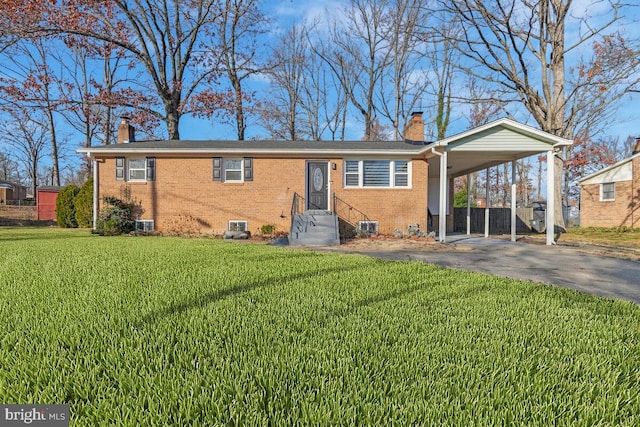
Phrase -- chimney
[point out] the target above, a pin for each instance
(636, 148)
(126, 132)
(414, 132)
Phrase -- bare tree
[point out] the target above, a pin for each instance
(93, 72)
(401, 87)
(238, 31)
(521, 47)
(9, 170)
(305, 100)
(281, 113)
(27, 72)
(439, 36)
(334, 114)
(25, 132)
(162, 37)
(358, 52)
(324, 101)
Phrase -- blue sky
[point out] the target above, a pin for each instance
(285, 13)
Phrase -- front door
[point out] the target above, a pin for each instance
(318, 185)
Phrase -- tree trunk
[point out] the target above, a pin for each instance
(239, 109)
(173, 117)
(55, 169)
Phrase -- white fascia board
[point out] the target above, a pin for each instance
(608, 168)
(538, 134)
(264, 152)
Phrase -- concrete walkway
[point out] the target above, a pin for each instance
(583, 269)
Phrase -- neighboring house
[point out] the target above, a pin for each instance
(376, 186)
(611, 196)
(11, 193)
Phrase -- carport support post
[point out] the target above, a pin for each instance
(550, 217)
(513, 201)
(468, 204)
(486, 207)
(442, 218)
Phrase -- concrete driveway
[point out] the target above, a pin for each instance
(585, 269)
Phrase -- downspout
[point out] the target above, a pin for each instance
(468, 204)
(442, 214)
(486, 207)
(514, 195)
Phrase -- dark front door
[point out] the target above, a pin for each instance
(318, 185)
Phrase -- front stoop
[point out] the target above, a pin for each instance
(314, 228)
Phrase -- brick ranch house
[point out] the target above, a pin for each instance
(611, 196)
(378, 186)
(11, 193)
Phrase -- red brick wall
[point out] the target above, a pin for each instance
(623, 211)
(184, 190)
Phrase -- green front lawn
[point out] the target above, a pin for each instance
(155, 331)
(623, 237)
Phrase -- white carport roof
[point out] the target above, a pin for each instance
(495, 143)
(498, 142)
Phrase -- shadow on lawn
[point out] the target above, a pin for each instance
(467, 292)
(15, 234)
(207, 299)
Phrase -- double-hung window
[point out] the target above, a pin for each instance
(608, 191)
(135, 169)
(401, 173)
(232, 170)
(376, 173)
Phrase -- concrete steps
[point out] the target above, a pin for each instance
(314, 228)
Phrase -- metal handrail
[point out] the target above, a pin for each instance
(346, 212)
(298, 201)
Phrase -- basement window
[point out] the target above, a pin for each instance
(144, 225)
(236, 225)
(607, 191)
(368, 227)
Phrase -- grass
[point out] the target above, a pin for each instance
(171, 331)
(624, 237)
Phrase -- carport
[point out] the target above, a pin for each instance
(483, 147)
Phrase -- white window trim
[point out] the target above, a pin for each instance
(238, 221)
(392, 174)
(144, 169)
(602, 199)
(224, 169)
(361, 223)
(147, 225)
